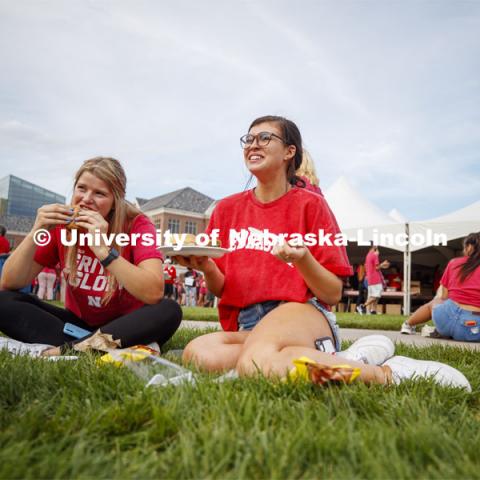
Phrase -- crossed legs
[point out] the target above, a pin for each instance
(284, 334)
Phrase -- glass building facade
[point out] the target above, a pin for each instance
(22, 198)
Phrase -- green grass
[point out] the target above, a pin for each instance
(82, 420)
(345, 320)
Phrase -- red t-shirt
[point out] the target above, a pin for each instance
(171, 271)
(84, 300)
(394, 280)
(4, 245)
(252, 273)
(467, 292)
(311, 187)
(374, 277)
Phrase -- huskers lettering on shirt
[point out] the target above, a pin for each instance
(84, 297)
(252, 273)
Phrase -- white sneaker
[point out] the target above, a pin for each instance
(404, 368)
(360, 309)
(371, 349)
(407, 329)
(20, 348)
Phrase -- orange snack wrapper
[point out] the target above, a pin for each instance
(321, 374)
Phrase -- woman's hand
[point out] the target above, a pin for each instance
(93, 222)
(289, 253)
(50, 215)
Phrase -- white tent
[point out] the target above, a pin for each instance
(363, 221)
(457, 224)
(351, 208)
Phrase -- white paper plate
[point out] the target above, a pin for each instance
(212, 252)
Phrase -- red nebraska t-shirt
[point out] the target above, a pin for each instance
(84, 300)
(252, 273)
(467, 292)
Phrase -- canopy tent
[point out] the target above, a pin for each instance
(351, 208)
(364, 222)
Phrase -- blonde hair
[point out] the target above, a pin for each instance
(307, 169)
(119, 218)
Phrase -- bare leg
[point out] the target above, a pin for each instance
(215, 352)
(282, 362)
(371, 304)
(289, 332)
(424, 313)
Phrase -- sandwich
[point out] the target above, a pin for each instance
(71, 225)
(189, 240)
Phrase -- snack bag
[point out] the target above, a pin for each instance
(320, 374)
(149, 366)
(121, 356)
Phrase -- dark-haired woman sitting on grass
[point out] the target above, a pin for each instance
(456, 313)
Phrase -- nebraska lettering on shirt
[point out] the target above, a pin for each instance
(90, 274)
(254, 239)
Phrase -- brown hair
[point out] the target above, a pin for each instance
(473, 260)
(119, 218)
(291, 135)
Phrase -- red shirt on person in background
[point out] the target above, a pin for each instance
(374, 277)
(466, 292)
(171, 272)
(4, 245)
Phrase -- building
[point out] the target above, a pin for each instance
(182, 211)
(21, 198)
(19, 202)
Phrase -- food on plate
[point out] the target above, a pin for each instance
(189, 240)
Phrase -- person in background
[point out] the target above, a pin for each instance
(362, 288)
(375, 280)
(456, 313)
(180, 290)
(190, 287)
(202, 291)
(393, 279)
(170, 274)
(4, 243)
(307, 173)
(46, 281)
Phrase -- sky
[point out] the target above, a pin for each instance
(385, 93)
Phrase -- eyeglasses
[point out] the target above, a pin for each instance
(263, 139)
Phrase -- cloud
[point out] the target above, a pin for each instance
(385, 94)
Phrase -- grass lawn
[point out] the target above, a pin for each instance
(345, 320)
(81, 420)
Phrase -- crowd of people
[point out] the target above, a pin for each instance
(189, 289)
(275, 300)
